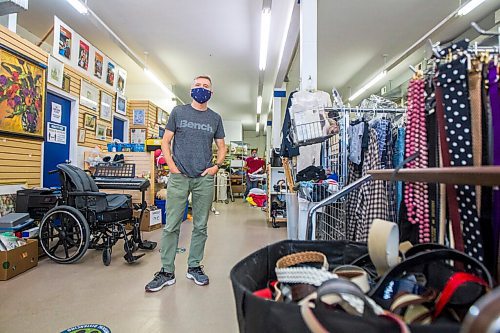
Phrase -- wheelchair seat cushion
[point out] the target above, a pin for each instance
(116, 201)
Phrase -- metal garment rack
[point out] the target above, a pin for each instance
(327, 219)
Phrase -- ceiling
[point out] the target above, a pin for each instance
(184, 39)
(221, 38)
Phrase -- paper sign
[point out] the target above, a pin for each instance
(56, 114)
(56, 133)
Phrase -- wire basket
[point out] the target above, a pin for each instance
(306, 134)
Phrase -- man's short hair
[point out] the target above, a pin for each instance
(254, 150)
(203, 77)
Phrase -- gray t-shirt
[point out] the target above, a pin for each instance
(194, 133)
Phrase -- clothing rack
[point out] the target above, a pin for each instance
(361, 110)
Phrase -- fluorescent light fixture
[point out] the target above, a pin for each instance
(79, 6)
(259, 104)
(367, 86)
(158, 82)
(257, 127)
(468, 7)
(265, 28)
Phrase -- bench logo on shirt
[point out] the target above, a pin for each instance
(198, 126)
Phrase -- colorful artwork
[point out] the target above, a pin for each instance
(83, 56)
(98, 63)
(65, 38)
(121, 81)
(7, 204)
(22, 95)
(110, 77)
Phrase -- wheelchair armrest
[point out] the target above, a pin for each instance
(87, 194)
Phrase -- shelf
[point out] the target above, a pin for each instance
(278, 220)
(484, 176)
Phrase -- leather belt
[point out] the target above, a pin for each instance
(383, 245)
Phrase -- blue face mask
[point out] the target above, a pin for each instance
(201, 95)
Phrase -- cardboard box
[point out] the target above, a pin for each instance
(151, 220)
(18, 260)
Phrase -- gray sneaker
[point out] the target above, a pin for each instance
(197, 275)
(160, 280)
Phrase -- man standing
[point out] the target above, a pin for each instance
(193, 127)
(253, 165)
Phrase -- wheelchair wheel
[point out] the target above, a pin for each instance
(106, 256)
(64, 234)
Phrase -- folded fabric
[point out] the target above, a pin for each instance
(257, 191)
(258, 199)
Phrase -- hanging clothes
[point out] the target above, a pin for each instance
(399, 152)
(369, 201)
(452, 78)
(287, 149)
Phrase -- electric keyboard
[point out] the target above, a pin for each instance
(119, 176)
(115, 183)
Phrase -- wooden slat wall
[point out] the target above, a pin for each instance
(25, 152)
(20, 157)
(152, 128)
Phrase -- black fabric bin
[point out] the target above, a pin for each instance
(257, 315)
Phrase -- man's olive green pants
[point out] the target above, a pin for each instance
(178, 189)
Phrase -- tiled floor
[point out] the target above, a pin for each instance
(53, 297)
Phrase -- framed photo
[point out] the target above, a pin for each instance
(138, 135)
(106, 103)
(65, 41)
(56, 72)
(81, 135)
(22, 104)
(66, 84)
(83, 55)
(139, 117)
(121, 104)
(89, 121)
(159, 114)
(100, 132)
(164, 117)
(110, 74)
(121, 81)
(109, 132)
(89, 95)
(98, 65)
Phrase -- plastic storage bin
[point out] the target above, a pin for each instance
(162, 204)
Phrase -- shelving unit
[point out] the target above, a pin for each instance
(238, 150)
(274, 174)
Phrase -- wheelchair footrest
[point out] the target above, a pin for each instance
(147, 245)
(130, 258)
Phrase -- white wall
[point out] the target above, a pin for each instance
(233, 129)
(254, 141)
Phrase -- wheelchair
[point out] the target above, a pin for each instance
(85, 218)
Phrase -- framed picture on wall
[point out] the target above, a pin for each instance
(89, 95)
(121, 104)
(121, 80)
(83, 55)
(109, 132)
(100, 133)
(139, 117)
(65, 42)
(138, 135)
(164, 118)
(89, 121)
(66, 84)
(106, 103)
(158, 115)
(55, 72)
(110, 74)
(98, 65)
(81, 135)
(22, 106)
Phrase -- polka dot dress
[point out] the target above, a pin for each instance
(452, 77)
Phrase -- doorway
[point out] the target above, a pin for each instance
(120, 129)
(56, 146)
